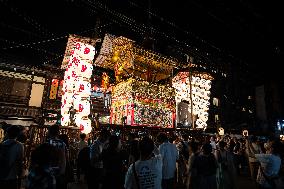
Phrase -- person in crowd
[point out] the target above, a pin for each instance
(22, 137)
(3, 130)
(191, 172)
(59, 165)
(146, 173)
(252, 148)
(83, 164)
(174, 139)
(113, 163)
(83, 157)
(270, 164)
(237, 155)
(213, 143)
(170, 156)
(41, 175)
(226, 172)
(11, 159)
(205, 165)
(83, 143)
(183, 151)
(95, 176)
(132, 148)
(69, 173)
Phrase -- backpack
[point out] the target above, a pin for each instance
(4, 160)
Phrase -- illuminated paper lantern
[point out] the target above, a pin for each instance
(78, 119)
(87, 126)
(199, 122)
(202, 83)
(86, 51)
(84, 107)
(77, 81)
(193, 80)
(245, 133)
(203, 116)
(85, 70)
(65, 119)
(197, 81)
(83, 88)
(204, 125)
(221, 131)
(202, 93)
(207, 85)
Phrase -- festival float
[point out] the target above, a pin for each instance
(137, 98)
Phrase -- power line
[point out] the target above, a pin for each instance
(49, 40)
(29, 20)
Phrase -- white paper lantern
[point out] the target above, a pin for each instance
(221, 131)
(87, 126)
(65, 119)
(245, 133)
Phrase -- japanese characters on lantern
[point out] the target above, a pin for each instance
(77, 88)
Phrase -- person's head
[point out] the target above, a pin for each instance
(83, 136)
(212, 139)
(206, 148)
(22, 137)
(185, 137)
(104, 135)
(162, 137)
(53, 131)
(146, 146)
(193, 147)
(13, 132)
(114, 142)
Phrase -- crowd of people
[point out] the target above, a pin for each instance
(139, 161)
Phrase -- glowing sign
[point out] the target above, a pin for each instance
(77, 87)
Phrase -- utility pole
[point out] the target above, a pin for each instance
(190, 60)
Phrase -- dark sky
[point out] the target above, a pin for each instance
(246, 33)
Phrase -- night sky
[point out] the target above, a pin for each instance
(245, 33)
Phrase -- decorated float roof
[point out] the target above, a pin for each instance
(133, 59)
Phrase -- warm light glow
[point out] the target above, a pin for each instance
(77, 87)
(221, 131)
(200, 96)
(245, 133)
(143, 104)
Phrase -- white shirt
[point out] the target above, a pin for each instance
(149, 173)
(270, 164)
(169, 155)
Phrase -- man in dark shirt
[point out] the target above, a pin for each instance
(12, 164)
